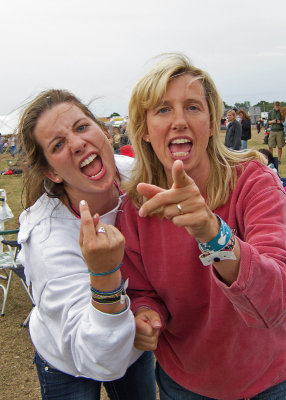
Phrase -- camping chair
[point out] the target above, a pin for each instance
(9, 249)
(10, 265)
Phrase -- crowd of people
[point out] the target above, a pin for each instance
(172, 251)
(8, 144)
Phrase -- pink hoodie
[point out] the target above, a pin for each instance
(222, 342)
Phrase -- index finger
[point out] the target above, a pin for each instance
(180, 178)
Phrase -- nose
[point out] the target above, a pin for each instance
(76, 143)
(179, 121)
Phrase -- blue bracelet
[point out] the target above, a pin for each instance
(218, 242)
(104, 273)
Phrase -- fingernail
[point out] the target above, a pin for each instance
(141, 213)
(82, 202)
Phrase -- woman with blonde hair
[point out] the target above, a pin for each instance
(205, 252)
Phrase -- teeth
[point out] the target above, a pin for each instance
(178, 141)
(180, 154)
(88, 160)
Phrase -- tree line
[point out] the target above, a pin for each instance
(263, 104)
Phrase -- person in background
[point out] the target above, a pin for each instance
(13, 145)
(233, 132)
(1, 143)
(276, 135)
(81, 327)
(258, 125)
(205, 231)
(270, 159)
(116, 140)
(126, 149)
(273, 164)
(245, 128)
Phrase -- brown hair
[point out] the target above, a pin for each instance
(35, 182)
(244, 114)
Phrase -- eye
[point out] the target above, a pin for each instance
(57, 146)
(192, 107)
(81, 127)
(163, 110)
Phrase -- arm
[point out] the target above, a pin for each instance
(139, 289)
(199, 221)
(255, 282)
(66, 328)
(258, 292)
(103, 252)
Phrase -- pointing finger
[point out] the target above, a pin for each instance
(180, 178)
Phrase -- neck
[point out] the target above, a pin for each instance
(100, 203)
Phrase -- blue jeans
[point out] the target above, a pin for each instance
(243, 144)
(170, 390)
(137, 384)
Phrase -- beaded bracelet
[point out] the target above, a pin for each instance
(105, 273)
(111, 297)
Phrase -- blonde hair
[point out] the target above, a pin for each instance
(146, 95)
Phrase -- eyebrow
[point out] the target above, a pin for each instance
(167, 102)
(59, 137)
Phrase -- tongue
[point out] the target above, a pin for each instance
(180, 147)
(93, 168)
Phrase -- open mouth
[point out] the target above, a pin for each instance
(180, 147)
(92, 166)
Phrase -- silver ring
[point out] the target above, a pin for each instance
(179, 207)
(101, 230)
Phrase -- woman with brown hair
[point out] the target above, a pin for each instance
(81, 327)
(245, 127)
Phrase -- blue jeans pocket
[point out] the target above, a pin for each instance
(57, 385)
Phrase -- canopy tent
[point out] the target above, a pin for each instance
(8, 123)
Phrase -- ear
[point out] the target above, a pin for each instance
(53, 176)
(146, 137)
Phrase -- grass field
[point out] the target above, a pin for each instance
(18, 379)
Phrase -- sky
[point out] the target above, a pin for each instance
(99, 49)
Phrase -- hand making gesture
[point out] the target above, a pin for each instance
(182, 203)
(102, 245)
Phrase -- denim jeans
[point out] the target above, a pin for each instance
(170, 390)
(243, 144)
(137, 384)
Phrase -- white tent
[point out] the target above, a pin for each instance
(8, 123)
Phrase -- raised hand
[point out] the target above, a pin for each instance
(182, 203)
(102, 245)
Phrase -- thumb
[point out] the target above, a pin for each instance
(154, 319)
(180, 178)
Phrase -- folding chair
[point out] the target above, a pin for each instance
(9, 265)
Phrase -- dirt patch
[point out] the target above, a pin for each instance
(18, 378)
